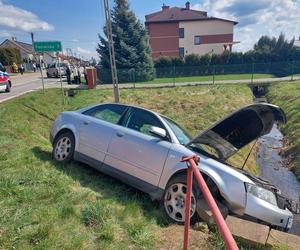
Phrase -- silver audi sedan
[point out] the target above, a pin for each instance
(143, 149)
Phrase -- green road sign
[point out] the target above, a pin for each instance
(50, 46)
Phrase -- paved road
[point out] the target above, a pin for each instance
(28, 82)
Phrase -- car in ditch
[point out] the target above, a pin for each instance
(143, 149)
(5, 82)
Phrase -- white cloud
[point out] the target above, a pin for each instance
(20, 19)
(256, 18)
(86, 52)
(4, 33)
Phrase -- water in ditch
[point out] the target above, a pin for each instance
(272, 168)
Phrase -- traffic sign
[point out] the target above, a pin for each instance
(49, 46)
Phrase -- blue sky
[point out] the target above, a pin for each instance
(76, 22)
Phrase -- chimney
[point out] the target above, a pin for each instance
(14, 38)
(187, 5)
(165, 7)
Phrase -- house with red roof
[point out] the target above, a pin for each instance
(178, 31)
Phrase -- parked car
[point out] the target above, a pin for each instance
(143, 149)
(54, 68)
(5, 82)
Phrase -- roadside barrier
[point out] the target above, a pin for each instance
(192, 162)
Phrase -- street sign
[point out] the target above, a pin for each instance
(49, 46)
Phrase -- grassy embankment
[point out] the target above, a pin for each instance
(45, 204)
(287, 96)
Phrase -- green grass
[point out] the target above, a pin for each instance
(45, 204)
(287, 96)
(210, 78)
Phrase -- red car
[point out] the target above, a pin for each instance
(5, 83)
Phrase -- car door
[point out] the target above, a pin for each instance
(97, 126)
(136, 152)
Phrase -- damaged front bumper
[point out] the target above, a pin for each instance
(268, 212)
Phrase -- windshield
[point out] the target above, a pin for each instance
(182, 136)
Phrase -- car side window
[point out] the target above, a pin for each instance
(107, 112)
(141, 121)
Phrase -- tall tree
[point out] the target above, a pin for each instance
(275, 49)
(131, 45)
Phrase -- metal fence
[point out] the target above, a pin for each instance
(203, 72)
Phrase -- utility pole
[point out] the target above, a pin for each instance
(40, 62)
(111, 51)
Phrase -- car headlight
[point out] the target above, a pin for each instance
(261, 193)
(290, 223)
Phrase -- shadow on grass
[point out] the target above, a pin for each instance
(108, 187)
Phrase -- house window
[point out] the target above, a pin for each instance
(197, 40)
(181, 52)
(181, 32)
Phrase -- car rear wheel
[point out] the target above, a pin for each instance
(63, 147)
(174, 200)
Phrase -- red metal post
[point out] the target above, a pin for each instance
(188, 207)
(224, 230)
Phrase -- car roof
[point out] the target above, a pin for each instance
(119, 104)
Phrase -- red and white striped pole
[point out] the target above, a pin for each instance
(192, 162)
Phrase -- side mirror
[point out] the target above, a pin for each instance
(160, 132)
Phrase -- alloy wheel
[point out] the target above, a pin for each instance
(62, 148)
(174, 202)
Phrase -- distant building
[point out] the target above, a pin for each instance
(182, 31)
(26, 50)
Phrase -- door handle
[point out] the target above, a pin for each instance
(85, 123)
(120, 134)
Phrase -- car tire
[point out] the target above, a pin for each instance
(8, 87)
(63, 147)
(173, 201)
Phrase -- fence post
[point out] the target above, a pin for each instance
(293, 65)
(173, 75)
(133, 78)
(192, 162)
(214, 72)
(252, 76)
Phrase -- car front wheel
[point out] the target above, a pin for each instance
(63, 147)
(174, 200)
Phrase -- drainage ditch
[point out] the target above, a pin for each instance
(271, 163)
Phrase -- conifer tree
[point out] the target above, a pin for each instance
(132, 50)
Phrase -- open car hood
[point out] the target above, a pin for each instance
(240, 128)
